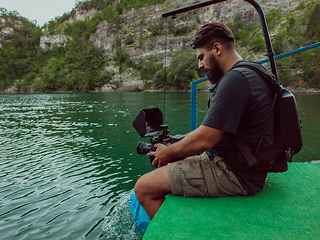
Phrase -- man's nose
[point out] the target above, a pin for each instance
(201, 65)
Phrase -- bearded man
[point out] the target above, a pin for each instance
(213, 166)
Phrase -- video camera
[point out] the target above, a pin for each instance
(149, 123)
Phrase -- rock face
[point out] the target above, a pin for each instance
(225, 11)
(49, 42)
(81, 14)
(3, 32)
(6, 30)
(137, 24)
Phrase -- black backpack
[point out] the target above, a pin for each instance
(287, 128)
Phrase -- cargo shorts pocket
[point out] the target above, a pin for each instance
(194, 184)
(229, 184)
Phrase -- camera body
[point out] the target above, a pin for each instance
(149, 123)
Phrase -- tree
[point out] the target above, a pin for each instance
(313, 28)
(182, 69)
(159, 79)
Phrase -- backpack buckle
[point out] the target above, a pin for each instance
(289, 155)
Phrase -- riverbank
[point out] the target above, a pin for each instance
(204, 90)
(291, 88)
(303, 90)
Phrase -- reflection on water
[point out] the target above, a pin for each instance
(64, 163)
(68, 161)
(309, 111)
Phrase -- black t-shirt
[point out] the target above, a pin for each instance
(240, 105)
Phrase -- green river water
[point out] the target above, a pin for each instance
(69, 163)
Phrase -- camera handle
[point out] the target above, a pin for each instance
(164, 128)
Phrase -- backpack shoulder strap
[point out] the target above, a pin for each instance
(244, 149)
(262, 72)
(238, 140)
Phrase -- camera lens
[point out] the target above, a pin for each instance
(143, 148)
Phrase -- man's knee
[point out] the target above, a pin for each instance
(153, 185)
(140, 188)
(139, 185)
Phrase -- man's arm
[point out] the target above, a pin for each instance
(195, 142)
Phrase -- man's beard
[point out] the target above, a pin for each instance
(215, 72)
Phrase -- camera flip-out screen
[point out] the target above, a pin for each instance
(148, 122)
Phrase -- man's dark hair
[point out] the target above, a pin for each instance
(211, 33)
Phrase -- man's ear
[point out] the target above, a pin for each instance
(217, 48)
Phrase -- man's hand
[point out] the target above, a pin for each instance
(194, 143)
(160, 155)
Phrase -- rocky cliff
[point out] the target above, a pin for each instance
(144, 44)
(122, 49)
(136, 22)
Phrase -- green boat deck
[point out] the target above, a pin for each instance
(287, 208)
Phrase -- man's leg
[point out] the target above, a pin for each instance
(151, 190)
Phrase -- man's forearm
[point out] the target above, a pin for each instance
(195, 142)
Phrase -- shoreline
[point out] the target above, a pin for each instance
(302, 90)
(290, 88)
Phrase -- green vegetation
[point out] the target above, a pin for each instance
(146, 68)
(79, 66)
(19, 54)
(74, 70)
(289, 31)
(129, 39)
(149, 69)
(313, 28)
(182, 69)
(159, 27)
(159, 79)
(122, 6)
(76, 67)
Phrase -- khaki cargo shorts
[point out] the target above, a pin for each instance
(198, 176)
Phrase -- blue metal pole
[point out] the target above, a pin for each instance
(194, 92)
(194, 98)
(292, 52)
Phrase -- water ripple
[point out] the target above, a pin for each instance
(61, 174)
